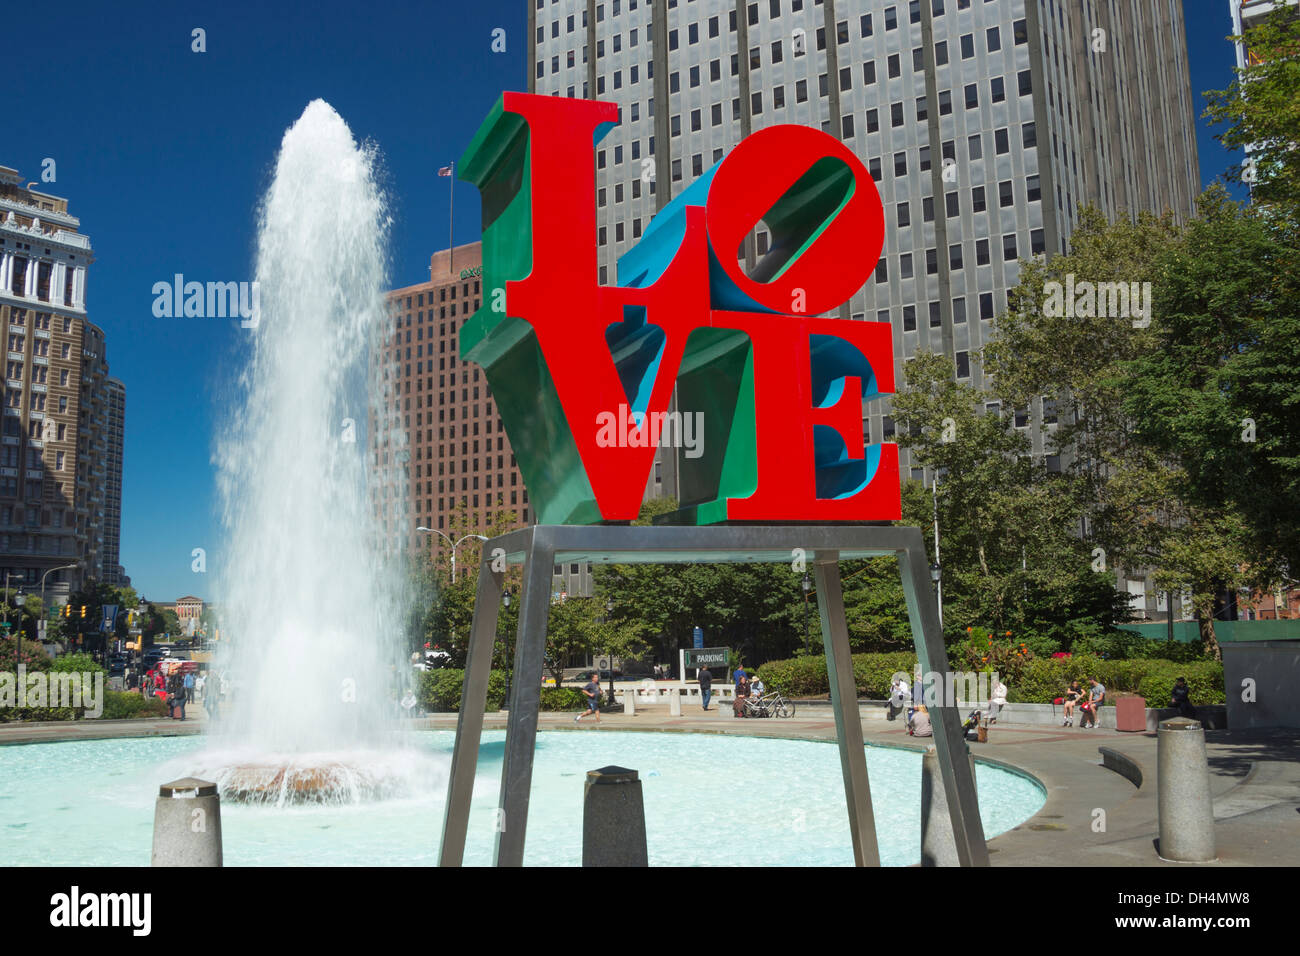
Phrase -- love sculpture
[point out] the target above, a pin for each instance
(782, 469)
(779, 390)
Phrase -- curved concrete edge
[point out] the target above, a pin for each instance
(1122, 764)
(15, 733)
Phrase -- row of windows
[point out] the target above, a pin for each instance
(985, 303)
(1010, 252)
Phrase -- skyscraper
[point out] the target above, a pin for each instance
(984, 124)
(60, 484)
(115, 437)
(437, 444)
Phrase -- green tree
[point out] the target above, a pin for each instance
(1012, 559)
(1262, 110)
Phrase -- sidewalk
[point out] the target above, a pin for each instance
(1255, 782)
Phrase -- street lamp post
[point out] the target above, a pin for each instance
(807, 587)
(936, 575)
(609, 653)
(18, 634)
(505, 599)
(66, 567)
(454, 545)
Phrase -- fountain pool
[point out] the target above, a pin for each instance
(91, 803)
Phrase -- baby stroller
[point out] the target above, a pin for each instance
(970, 727)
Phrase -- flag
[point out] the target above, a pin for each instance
(445, 171)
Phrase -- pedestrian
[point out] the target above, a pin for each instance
(409, 702)
(706, 685)
(199, 683)
(1073, 695)
(189, 687)
(176, 695)
(592, 690)
(1181, 697)
(740, 674)
(997, 699)
(742, 694)
(919, 725)
(1092, 708)
(898, 694)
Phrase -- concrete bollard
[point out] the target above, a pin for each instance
(938, 845)
(674, 703)
(1186, 810)
(613, 819)
(187, 824)
(629, 700)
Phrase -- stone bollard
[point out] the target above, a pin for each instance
(613, 819)
(674, 703)
(1186, 810)
(187, 824)
(938, 845)
(629, 701)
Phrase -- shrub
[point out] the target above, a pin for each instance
(76, 663)
(985, 651)
(34, 655)
(440, 690)
(806, 676)
(873, 673)
(563, 698)
(127, 705)
(1204, 680)
(1041, 680)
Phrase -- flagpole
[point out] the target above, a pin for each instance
(451, 208)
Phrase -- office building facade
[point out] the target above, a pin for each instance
(437, 446)
(60, 443)
(984, 124)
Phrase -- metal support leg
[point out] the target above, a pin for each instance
(848, 721)
(469, 725)
(521, 732)
(949, 744)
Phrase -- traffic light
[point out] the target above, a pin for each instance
(83, 610)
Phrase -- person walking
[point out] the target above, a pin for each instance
(898, 694)
(706, 685)
(592, 690)
(189, 687)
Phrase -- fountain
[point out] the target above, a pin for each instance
(309, 612)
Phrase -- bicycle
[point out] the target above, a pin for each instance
(770, 705)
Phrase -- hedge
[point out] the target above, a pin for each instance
(1042, 680)
(563, 698)
(125, 705)
(118, 705)
(440, 691)
(806, 676)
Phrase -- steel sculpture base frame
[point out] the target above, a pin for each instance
(540, 547)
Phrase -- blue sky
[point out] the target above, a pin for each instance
(164, 153)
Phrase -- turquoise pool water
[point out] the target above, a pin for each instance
(709, 800)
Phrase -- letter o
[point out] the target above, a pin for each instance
(821, 206)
